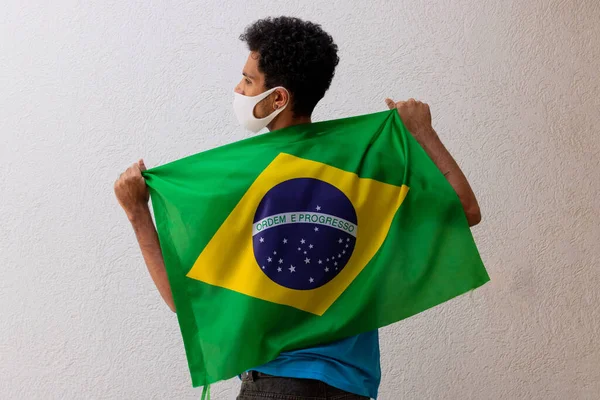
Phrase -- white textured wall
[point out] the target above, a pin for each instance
(86, 87)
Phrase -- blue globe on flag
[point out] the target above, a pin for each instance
(304, 232)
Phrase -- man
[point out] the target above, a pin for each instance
(289, 69)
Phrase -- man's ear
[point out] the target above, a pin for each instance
(282, 97)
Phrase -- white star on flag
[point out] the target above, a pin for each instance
(348, 239)
(326, 269)
(281, 261)
(274, 252)
(292, 268)
(339, 255)
(284, 241)
(343, 251)
(303, 241)
(335, 263)
(262, 240)
(263, 267)
(310, 246)
(316, 229)
(340, 241)
(311, 280)
(279, 269)
(307, 261)
(320, 262)
(346, 246)
(299, 249)
(269, 259)
(318, 208)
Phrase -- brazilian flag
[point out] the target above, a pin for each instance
(304, 236)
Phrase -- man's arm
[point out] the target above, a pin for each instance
(132, 193)
(417, 119)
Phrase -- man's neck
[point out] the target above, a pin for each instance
(285, 120)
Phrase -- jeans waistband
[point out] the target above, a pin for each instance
(254, 375)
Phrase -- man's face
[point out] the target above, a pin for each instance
(253, 84)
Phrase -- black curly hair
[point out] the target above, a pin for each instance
(296, 54)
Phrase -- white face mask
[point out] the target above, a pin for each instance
(243, 106)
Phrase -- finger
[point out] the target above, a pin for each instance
(133, 170)
(390, 103)
(142, 165)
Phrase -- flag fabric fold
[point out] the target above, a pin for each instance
(304, 236)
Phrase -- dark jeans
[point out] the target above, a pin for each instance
(259, 386)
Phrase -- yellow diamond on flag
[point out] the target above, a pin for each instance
(300, 235)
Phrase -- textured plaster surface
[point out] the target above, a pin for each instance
(87, 87)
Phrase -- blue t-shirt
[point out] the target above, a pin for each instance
(350, 364)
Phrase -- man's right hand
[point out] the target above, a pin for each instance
(131, 190)
(415, 116)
